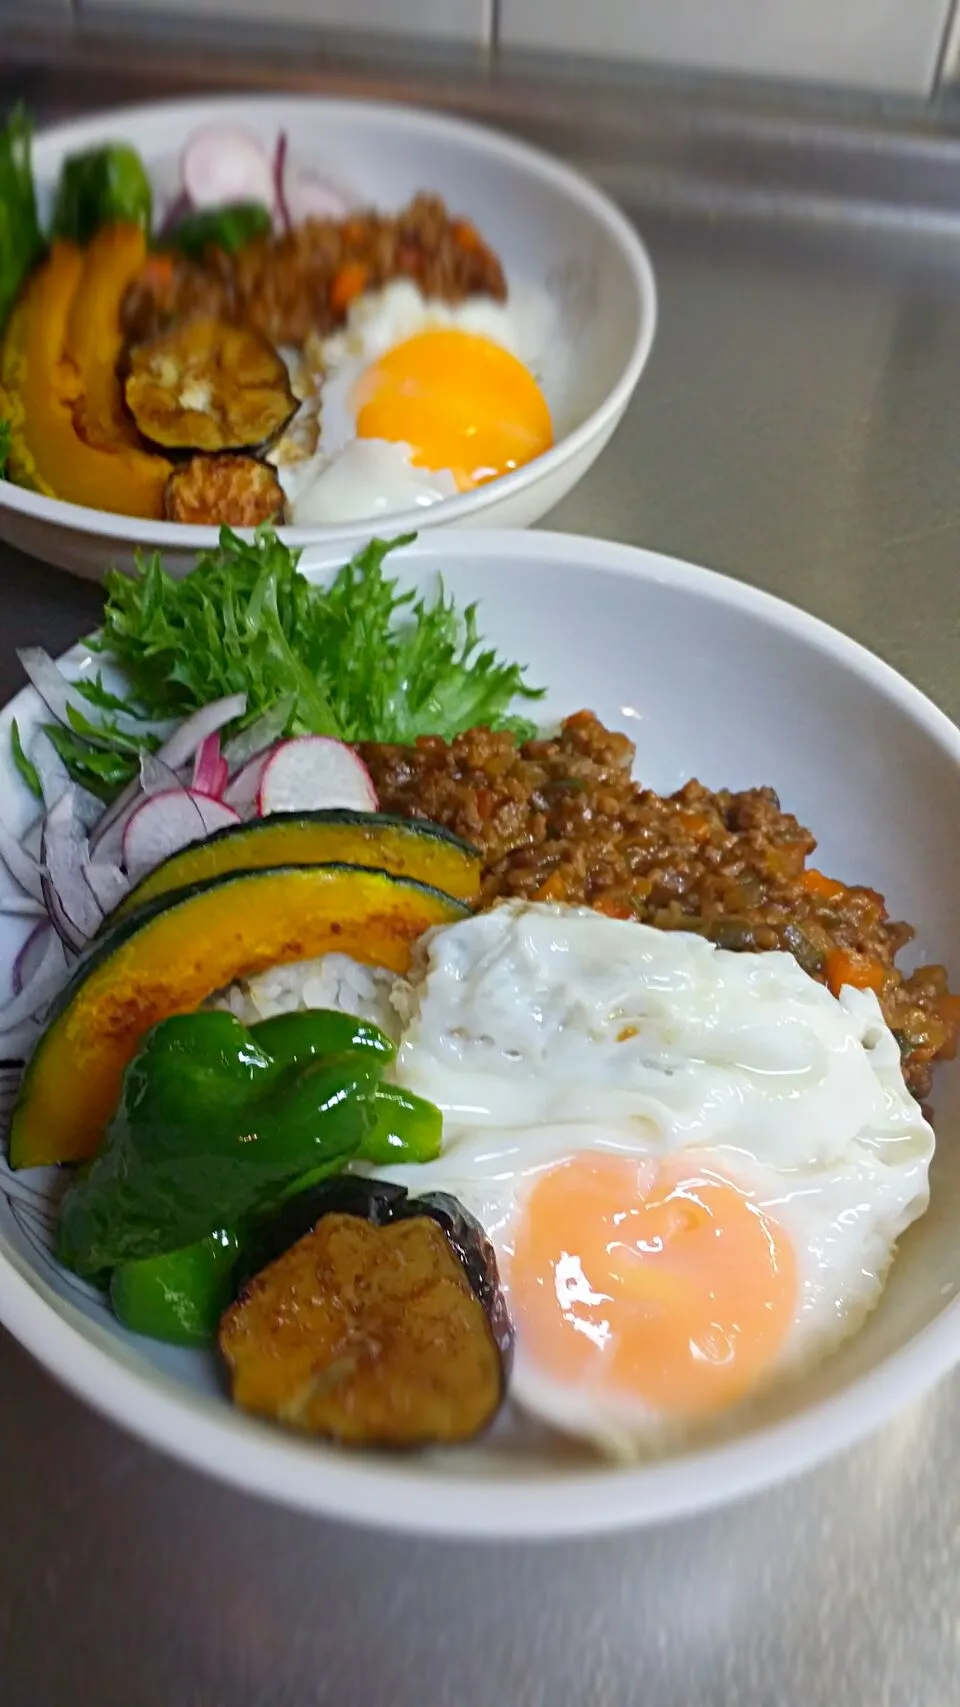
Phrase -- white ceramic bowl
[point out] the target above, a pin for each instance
(713, 679)
(552, 229)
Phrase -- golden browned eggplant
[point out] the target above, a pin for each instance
(231, 490)
(384, 1325)
(209, 386)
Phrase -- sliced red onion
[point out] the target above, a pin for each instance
(183, 743)
(61, 698)
(224, 163)
(65, 854)
(179, 207)
(28, 960)
(156, 776)
(53, 773)
(55, 780)
(263, 732)
(109, 884)
(66, 930)
(210, 772)
(167, 822)
(46, 980)
(314, 774)
(176, 751)
(22, 907)
(22, 867)
(279, 182)
(243, 790)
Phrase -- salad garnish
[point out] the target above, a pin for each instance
(357, 661)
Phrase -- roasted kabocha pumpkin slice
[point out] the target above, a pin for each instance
(168, 957)
(223, 491)
(383, 1323)
(208, 385)
(64, 439)
(404, 846)
(94, 338)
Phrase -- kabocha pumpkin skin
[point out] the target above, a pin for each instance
(58, 386)
(404, 846)
(169, 956)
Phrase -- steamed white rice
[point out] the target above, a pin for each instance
(332, 981)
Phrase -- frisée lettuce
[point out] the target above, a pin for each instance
(359, 660)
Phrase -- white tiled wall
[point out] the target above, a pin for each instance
(883, 45)
(452, 20)
(878, 44)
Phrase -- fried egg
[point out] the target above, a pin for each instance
(694, 1165)
(420, 400)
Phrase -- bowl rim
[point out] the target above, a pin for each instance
(404, 117)
(408, 1495)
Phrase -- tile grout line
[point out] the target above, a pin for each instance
(944, 74)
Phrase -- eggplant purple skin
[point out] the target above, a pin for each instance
(468, 1240)
(380, 1203)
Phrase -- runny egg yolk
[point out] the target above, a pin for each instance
(660, 1283)
(460, 402)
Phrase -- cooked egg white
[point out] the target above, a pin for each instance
(420, 400)
(694, 1165)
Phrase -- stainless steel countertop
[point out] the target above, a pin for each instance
(798, 427)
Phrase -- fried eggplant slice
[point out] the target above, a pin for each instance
(383, 1325)
(208, 385)
(232, 490)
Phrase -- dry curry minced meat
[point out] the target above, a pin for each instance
(563, 820)
(302, 282)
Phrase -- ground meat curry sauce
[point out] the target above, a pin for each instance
(563, 820)
(302, 282)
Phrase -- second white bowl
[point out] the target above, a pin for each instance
(551, 228)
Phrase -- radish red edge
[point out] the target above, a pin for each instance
(165, 823)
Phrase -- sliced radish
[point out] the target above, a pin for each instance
(313, 774)
(243, 790)
(167, 822)
(28, 961)
(309, 196)
(222, 163)
(210, 771)
(176, 751)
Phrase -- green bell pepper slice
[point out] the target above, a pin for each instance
(102, 186)
(406, 1128)
(179, 1296)
(214, 1118)
(228, 228)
